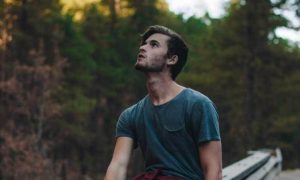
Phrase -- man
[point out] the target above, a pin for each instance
(175, 127)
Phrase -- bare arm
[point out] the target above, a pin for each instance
(211, 160)
(117, 168)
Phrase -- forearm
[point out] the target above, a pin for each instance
(116, 172)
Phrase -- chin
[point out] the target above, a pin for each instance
(138, 66)
(141, 68)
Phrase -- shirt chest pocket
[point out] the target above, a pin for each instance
(172, 117)
(173, 130)
(173, 121)
(173, 125)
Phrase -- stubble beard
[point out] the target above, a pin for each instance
(152, 67)
(149, 68)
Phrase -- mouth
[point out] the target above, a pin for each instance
(140, 56)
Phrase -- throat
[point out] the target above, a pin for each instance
(162, 92)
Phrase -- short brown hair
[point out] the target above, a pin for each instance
(176, 46)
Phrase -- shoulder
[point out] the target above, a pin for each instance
(198, 102)
(134, 109)
(196, 97)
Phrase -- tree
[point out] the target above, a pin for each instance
(28, 101)
(246, 68)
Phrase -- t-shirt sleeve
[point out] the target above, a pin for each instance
(205, 122)
(125, 126)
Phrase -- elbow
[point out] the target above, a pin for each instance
(219, 174)
(115, 172)
(213, 173)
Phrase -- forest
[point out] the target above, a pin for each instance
(66, 74)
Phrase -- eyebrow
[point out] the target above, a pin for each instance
(151, 41)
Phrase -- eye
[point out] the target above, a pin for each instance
(154, 44)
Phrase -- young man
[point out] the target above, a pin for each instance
(175, 127)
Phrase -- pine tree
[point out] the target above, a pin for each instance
(246, 70)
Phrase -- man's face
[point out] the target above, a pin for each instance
(153, 54)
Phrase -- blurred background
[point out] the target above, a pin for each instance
(66, 73)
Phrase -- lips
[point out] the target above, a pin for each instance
(140, 56)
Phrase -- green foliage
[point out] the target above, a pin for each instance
(237, 60)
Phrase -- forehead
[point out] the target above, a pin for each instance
(161, 38)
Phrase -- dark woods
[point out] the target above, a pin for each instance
(65, 76)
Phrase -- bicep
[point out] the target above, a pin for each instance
(122, 151)
(118, 166)
(210, 154)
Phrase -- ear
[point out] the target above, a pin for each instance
(173, 60)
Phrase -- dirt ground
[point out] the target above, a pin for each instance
(289, 175)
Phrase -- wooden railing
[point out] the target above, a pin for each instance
(261, 164)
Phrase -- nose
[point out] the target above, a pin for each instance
(142, 48)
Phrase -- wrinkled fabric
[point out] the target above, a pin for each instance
(169, 135)
(155, 175)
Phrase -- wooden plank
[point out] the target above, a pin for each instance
(245, 167)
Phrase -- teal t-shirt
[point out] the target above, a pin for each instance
(169, 135)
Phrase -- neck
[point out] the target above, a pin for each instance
(162, 89)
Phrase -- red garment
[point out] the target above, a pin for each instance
(155, 175)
